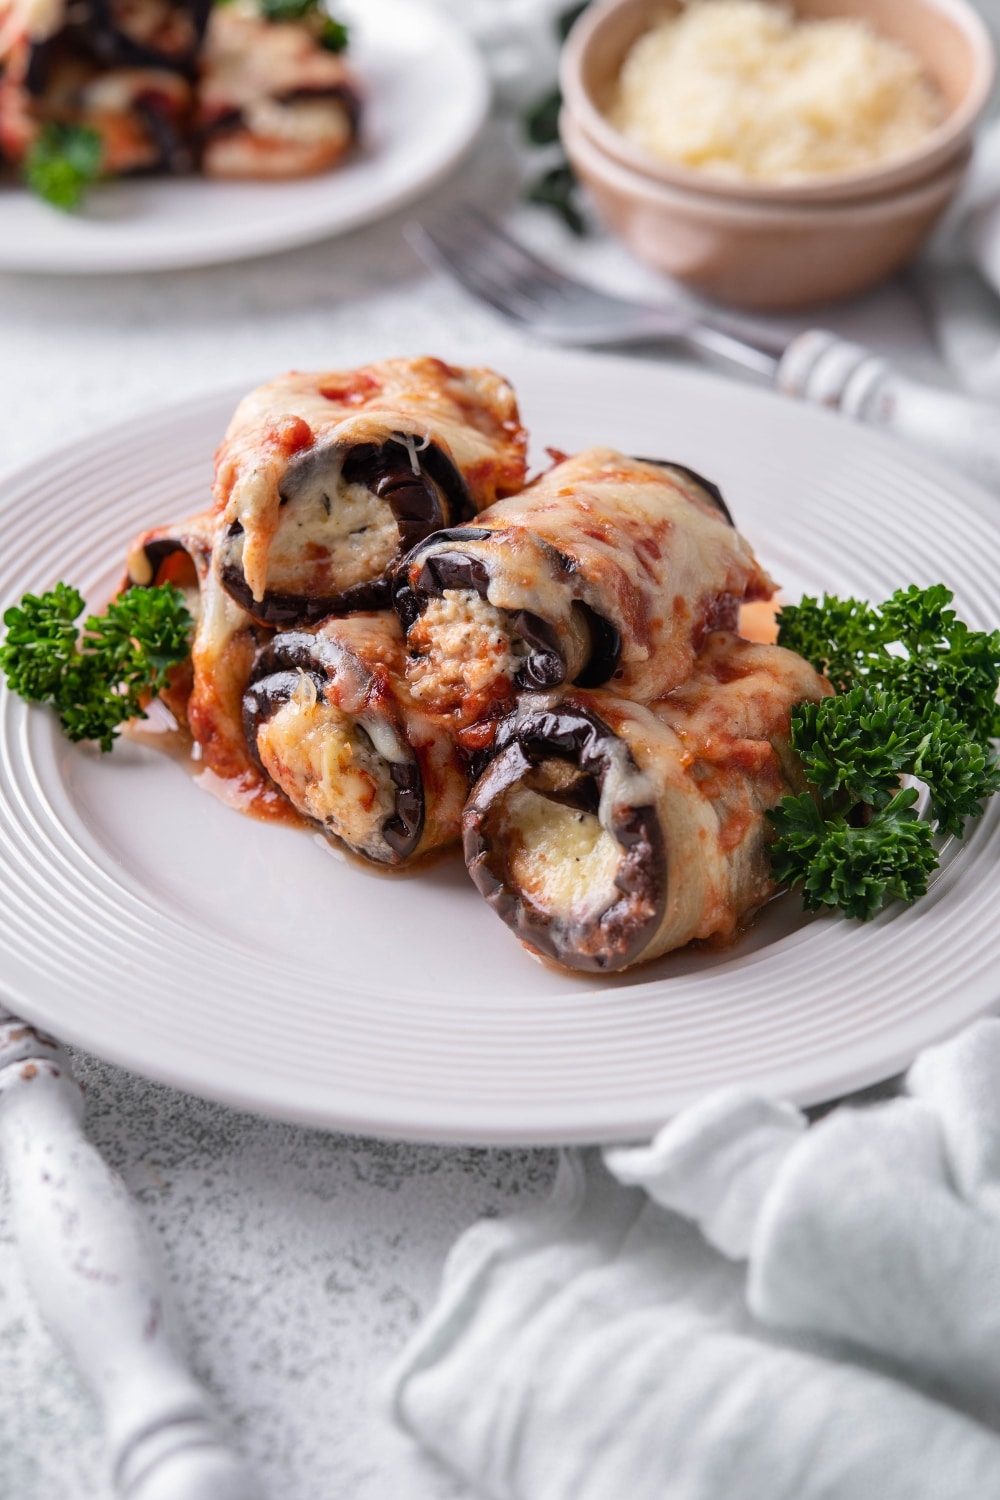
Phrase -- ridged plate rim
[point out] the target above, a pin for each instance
(827, 1008)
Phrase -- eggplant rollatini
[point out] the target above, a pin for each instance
(180, 555)
(605, 833)
(122, 68)
(607, 569)
(175, 85)
(323, 480)
(272, 101)
(331, 719)
(206, 694)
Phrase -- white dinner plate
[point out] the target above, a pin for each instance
(426, 97)
(144, 920)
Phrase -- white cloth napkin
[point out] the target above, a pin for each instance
(960, 274)
(748, 1307)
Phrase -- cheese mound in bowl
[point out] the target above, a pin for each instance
(744, 90)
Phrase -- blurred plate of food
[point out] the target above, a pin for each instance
(228, 131)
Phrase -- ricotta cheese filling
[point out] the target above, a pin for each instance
(560, 858)
(742, 89)
(459, 646)
(330, 537)
(328, 766)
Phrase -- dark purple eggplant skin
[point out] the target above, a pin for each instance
(113, 46)
(283, 611)
(40, 61)
(605, 652)
(576, 734)
(712, 492)
(407, 603)
(235, 119)
(164, 131)
(416, 504)
(158, 549)
(416, 581)
(92, 36)
(276, 674)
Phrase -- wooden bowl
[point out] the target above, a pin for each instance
(947, 35)
(763, 254)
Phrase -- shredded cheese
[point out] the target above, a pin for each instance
(412, 447)
(741, 89)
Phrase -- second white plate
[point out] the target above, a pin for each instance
(426, 98)
(145, 921)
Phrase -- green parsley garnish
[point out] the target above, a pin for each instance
(541, 119)
(333, 35)
(914, 646)
(853, 866)
(97, 680)
(558, 189)
(62, 163)
(917, 697)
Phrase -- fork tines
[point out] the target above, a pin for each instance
(474, 248)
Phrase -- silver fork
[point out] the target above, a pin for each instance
(477, 252)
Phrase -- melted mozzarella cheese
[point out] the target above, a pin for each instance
(640, 544)
(254, 503)
(39, 19)
(560, 858)
(470, 414)
(329, 768)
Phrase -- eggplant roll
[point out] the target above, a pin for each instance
(605, 833)
(272, 102)
(123, 68)
(141, 115)
(332, 723)
(607, 569)
(206, 694)
(113, 33)
(173, 84)
(324, 480)
(180, 554)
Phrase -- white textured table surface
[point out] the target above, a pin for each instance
(300, 1261)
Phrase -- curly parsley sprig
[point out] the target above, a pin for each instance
(917, 698)
(330, 33)
(62, 162)
(100, 678)
(913, 646)
(853, 866)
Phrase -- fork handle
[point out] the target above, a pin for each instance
(959, 430)
(97, 1279)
